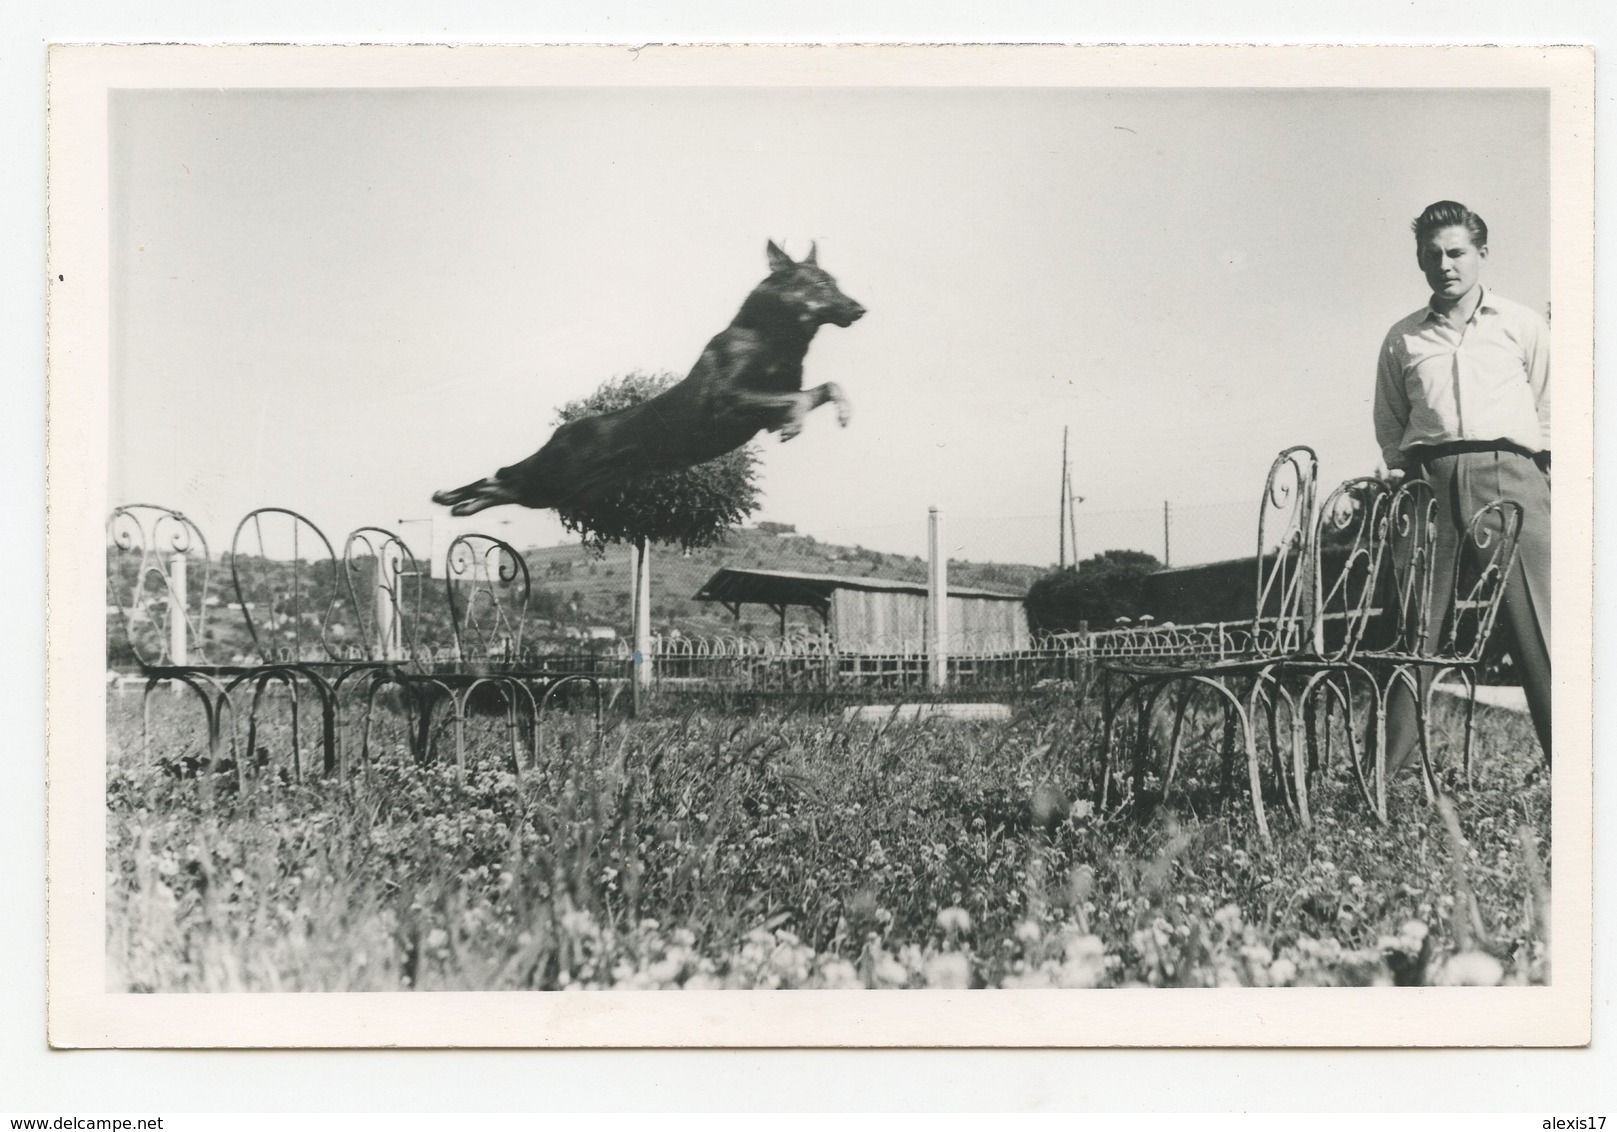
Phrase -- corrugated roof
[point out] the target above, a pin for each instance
(791, 587)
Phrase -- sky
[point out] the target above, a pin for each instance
(341, 301)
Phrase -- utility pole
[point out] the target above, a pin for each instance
(1167, 550)
(1067, 510)
(1072, 517)
(1061, 508)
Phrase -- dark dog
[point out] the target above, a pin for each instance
(749, 379)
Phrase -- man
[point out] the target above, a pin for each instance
(1463, 400)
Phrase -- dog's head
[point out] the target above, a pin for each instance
(809, 290)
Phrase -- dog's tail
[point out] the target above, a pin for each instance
(477, 496)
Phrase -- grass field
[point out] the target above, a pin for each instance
(790, 849)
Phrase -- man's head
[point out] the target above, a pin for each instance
(1451, 243)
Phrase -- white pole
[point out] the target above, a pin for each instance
(388, 565)
(178, 607)
(640, 559)
(937, 601)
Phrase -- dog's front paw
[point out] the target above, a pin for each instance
(844, 412)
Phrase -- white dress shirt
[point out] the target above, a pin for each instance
(1489, 380)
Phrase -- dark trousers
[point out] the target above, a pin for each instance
(1462, 483)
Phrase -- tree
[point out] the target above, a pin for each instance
(691, 508)
(1098, 591)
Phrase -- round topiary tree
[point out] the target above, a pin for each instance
(691, 508)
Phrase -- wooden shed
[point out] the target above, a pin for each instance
(876, 615)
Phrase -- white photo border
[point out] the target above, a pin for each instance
(82, 1013)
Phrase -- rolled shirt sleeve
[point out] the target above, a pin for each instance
(1537, 351)
(1391, 404)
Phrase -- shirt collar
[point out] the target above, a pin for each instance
(1485, 301)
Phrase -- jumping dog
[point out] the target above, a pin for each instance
(748, 380)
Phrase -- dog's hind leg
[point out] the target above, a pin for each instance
(452, 496)
(475, 497)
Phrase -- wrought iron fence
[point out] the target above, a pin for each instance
(817, 664)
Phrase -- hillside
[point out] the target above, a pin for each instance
(575, 587)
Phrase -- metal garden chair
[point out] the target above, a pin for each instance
(488, 664)
(1440, 604)
(157, 556)
(385, 587)
(287, 584)
(1232, 661)
(159, 573)
(1318, 681)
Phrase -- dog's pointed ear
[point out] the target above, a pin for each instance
(809, 260)
(778, 260)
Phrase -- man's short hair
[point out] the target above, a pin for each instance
(1450, 214)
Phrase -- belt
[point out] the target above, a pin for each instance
(1424, 453)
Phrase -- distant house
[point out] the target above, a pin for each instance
(872, 615)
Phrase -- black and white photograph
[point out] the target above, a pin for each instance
(701, 524)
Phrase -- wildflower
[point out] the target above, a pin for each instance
(1077, 944)
(890, 972)
(578, 922)
(839, 974)
(437, 938)
(954, 920)
(1282, 971)
(950, 971)
(1471, 969)
(1085, 964)
(1258, 955)
(1049, 806)
(665, 972)
(1228, 918)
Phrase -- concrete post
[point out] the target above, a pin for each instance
(937, 601)
(178, 608)
(640, 558)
